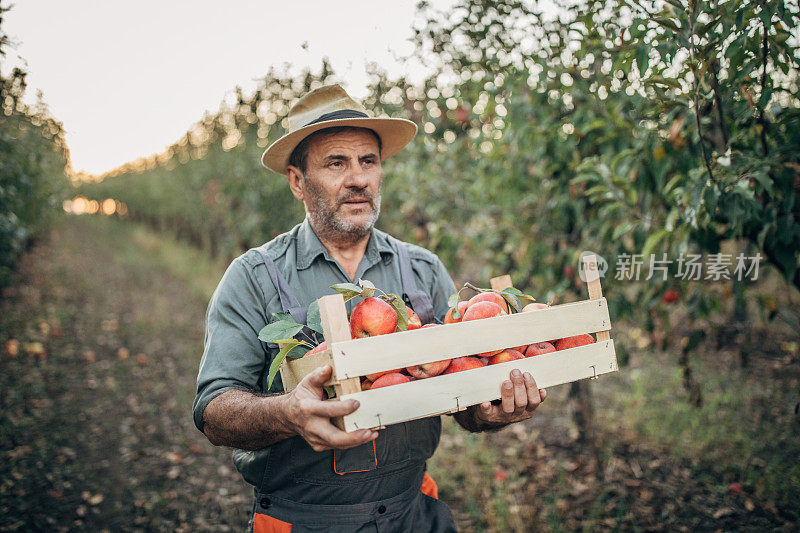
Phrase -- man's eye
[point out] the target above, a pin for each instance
(335, 164)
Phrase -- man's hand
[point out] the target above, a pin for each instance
(309, 415)
(242, 419)
(519, 398)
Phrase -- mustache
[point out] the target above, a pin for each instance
(358, 197)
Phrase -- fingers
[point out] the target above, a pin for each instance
(520, 390)
(326, 436)
(317, 378)
(534, 397)
(507, 397)
(332, 408)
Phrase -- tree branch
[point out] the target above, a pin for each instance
(718, 103)
(696, 86)
(761, 118)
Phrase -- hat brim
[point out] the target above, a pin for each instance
(394, 133)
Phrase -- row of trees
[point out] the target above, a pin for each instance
(624, 127)
(33, 161)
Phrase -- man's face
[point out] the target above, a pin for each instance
(342, 184)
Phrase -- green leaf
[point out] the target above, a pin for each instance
(453, 300)
(513, 301)
(516, 294)
(399, 306)
(621, 230)
(313, 318)
(299, 352)
(511, 290)
(281, 329)
(642, 59)
(348, 290)
(664, 81)
(652, 241)
(667, 23)
(276, 363)
(367, 288)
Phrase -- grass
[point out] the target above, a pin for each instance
(746, 430)
(178, 259)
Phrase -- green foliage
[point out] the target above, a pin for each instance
(33, 158)
(622, 127)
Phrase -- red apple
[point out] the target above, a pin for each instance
(428, 370)
(573, 342)
(534, 306)
(413, 320)
(481, 310)
(366, 384)
(390, 379)
(489, 296)
(448, 318)
(459, 364)
(538, 348)
(431, 325)
(372, 317)
(376, 375)
(321, 348)
(671, 296)
(506, 355)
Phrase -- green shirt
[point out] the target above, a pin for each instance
(245, 300)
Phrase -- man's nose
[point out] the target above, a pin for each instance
(356, 177)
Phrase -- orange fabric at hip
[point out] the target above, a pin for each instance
(266, 524)
(429, 486)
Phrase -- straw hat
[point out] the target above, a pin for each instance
(329, 107)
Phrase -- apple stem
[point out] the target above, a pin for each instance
(310, 340)
(469, 285)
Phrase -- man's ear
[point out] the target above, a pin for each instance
(295, 178)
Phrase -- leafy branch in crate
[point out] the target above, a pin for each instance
(295, 342)
(509, 294)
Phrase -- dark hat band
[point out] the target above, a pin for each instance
(336, 115)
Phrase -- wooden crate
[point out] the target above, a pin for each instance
(353, 358)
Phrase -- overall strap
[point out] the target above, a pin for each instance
(420, 301)
(289, 301)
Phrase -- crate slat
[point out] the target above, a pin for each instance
(448, 393)
(398, 350)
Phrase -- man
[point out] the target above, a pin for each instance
(308, 474)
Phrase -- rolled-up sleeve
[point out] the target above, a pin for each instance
(233, 357)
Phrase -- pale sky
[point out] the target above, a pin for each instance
(127, 79)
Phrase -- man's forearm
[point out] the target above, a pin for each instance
(247, 421)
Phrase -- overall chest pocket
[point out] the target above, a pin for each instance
(374, 459)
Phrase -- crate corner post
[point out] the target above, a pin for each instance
(591, 274)
(336, 328)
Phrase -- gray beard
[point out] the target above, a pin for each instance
(328, 224)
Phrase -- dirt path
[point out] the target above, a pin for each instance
(95, 430)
